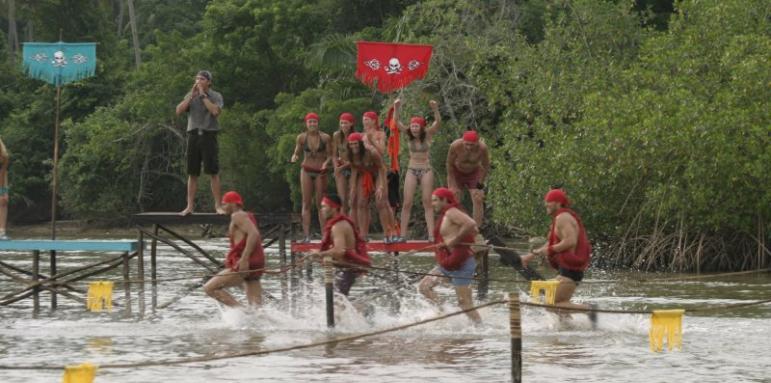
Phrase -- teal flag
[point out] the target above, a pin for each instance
(60, 63)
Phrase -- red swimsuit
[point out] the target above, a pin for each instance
(256, 259)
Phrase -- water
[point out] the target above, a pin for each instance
(726, 346)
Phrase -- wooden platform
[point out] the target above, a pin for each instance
(173, 218)
(69, 245)
(374, 246)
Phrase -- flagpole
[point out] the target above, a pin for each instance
(55, 179)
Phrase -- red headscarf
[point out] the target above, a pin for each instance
(471, 136)
(418, 120)
(355, 137)
(557, 195)
(371, 115)
(311, 116)
(347, 117)
(232, 197)
(446, 194)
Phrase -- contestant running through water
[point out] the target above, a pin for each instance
(340, 155)
(245, 254)
(375, 139)
(419, 168)
(454, 231)
(342, 242)
(313, 177)
(568, 249)
(368, 180)
(468, 164)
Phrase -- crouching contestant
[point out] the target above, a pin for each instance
(342, 242)
(453, 233)
(245, 254)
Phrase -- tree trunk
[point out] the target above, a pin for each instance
(121, 5)
(13, 36)
(134, 33)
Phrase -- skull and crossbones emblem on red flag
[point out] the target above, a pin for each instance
(391, 66)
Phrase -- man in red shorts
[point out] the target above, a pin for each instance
(342, 242)
(245, 254)
(468, 164)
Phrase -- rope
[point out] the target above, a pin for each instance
(608, 311)
(207, 358)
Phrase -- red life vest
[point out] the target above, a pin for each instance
(357, 255)
(451, 259)
(576, 259)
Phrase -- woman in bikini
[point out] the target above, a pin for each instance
(419, 168)
(313, 176)
(340, 155)
(374, 139)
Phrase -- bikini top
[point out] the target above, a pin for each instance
(418, 146)
(321, 148)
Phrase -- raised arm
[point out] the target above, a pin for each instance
(212, 103)
(397, 110)
(437, 118)
(184, 105)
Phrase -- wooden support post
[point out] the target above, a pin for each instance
(309, 271)
(126, 285)
(35, 278)
(329, 286)
(141, 272)
(153, 269)
(484, 281)
(52, 262)
(282, 259)
(153, 252)
(515, 327)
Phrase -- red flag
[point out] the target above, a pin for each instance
(394, 66)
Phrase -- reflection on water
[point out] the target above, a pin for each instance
(724, 346)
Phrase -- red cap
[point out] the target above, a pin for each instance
(446, 194)
(355, 137)
(311, 116)
(418, 120)
(557, 195)
(371, 115)
(348, 117)
(471, 136)
(232, 197)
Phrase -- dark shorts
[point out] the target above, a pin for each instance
(344, 280)
(576, 276)
(202, 148)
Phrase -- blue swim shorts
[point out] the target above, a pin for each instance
(463, 276)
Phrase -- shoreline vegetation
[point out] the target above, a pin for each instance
(653, 115)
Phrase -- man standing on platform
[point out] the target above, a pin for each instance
(568, 249)
(342, 242)
(453, 234)
(203, 106)
(468, 164)
(245, 254)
